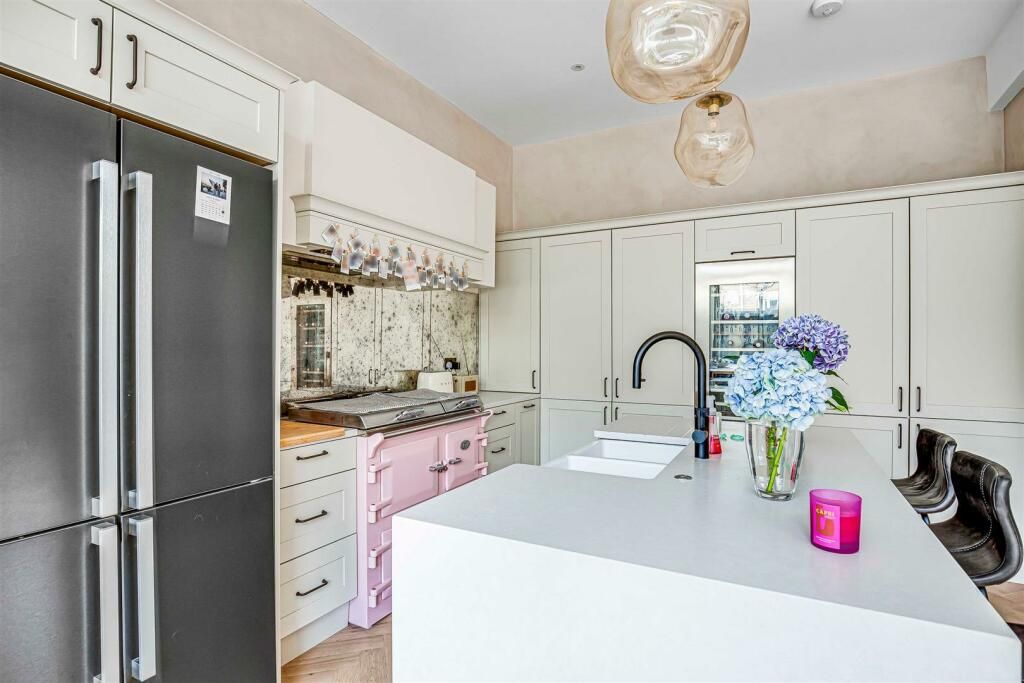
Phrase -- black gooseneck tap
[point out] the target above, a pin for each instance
(700, 412)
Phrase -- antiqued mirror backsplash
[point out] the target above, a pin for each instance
(363, 334)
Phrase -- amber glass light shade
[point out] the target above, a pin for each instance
(715, 143)
(664, 50)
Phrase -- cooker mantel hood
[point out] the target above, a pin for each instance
(347, 166)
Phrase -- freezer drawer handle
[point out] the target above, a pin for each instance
(500, 412)
(377, 552)
(134, 40)
(742, 251)
(105, 536)
(142, 184)
(315, 455)
(144, 666)
(499, 450)
(532, 405)
(302, 594)
(106, 503)
(300, 520)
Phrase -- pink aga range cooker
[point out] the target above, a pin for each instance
(418, 444)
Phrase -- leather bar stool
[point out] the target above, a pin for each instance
(982, 536)
(929, 489)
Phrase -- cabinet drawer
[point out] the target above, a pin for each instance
(500, 450)
(759, 235)
(334, 564)
(503, 417)
(177, 84)
(305, 463)
(317, 513)
(60, 41)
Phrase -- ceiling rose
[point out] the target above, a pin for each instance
(664, 50)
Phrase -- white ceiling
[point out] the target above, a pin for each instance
(506, 62)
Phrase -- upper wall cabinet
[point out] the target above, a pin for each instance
(103, 53)
(652, 291)
(510, 320)
(967, 321)
(757, 235)
(576, 316)
(345, 164)
(160, 77)
(65, 42)
(853, 267)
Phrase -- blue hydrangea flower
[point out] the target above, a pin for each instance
(827, 340)
(778, 386)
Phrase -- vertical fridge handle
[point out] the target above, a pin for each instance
(142, 184)
(105, 537)
(105, 504)
(144, 666)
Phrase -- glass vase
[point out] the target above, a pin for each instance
(775, 453)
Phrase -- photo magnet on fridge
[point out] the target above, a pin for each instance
(213, 195)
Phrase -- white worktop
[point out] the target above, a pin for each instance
(713, 527)
(496, 399)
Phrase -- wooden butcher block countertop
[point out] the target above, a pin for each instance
(301, 433)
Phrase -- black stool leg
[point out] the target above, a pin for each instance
(926, 519)
(984, 591)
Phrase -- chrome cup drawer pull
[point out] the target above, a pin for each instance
(302, 594)
(310, 457)
(300, 520)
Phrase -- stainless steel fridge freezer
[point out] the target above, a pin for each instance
(136, 403)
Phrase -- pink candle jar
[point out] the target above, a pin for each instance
(835, 520)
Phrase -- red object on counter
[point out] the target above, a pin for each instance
(714, 434)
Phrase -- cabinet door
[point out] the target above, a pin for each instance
(568, 425)
(576, 316)
(501, 448)
(967, 305)
(510, 320)
(886, 439)
(647, 260)
(756, 235)
(528, 433)
(61, 41)
(681, 413)
(853, 267)
(1000, 442)
(162, 78)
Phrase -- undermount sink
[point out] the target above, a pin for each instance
(600, 465)
(636, 459)
(640, 451)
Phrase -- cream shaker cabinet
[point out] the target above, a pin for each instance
(160, 77)
(652, 291)
(528, 433)
(967, 305)
(682, 413)
(887, 440)
(737, 238)
(576, 316)
(66, 42)
(853, 266)
(510, 320)
(568, 425)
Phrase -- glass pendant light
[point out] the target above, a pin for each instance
(664, 50)
(715, 143)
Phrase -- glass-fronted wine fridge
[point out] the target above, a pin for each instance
(739, 307)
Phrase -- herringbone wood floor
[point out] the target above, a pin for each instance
(352, 655)
(355, 655)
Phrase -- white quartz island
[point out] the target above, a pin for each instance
(543, 574)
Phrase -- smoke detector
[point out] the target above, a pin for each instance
(826, 8)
